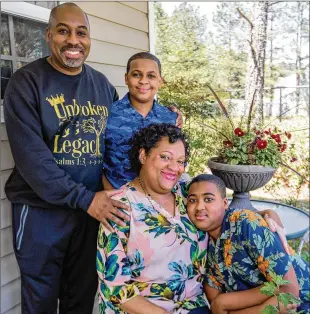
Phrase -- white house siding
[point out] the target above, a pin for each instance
(118, 30)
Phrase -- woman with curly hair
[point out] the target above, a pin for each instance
(156, 262)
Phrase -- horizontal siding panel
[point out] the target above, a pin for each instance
(15, 310)
(122, 91)
(96, 307)
(6, 241)
(9, 269)
(102, 52)
(6, 158)
(117, 34)
(10, 295)
(4, 135)
(4, 176)
(6, 213)
(115, 74)
(116, 12)
(138, 5)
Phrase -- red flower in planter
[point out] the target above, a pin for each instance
(288, 134)
(261, 144)
(276, 137)
(282, 148)
(293, 159)
(227, 143)
(258, 132)
(239, 132)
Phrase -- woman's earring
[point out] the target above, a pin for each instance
(142, 161)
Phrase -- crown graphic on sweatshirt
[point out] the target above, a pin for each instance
(54, 101)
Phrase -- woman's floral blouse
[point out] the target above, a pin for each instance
(157, 256)
(247, 252)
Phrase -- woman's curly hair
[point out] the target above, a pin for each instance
(148, 138)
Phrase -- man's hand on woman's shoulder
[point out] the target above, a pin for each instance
(103, 208)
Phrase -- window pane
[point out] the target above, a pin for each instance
(6, 73)
(47, 4)
(5, 38)
(29, 38)
(44, 4)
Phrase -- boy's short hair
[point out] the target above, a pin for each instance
(143, 55)
(213, 179)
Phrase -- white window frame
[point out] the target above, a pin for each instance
(27, 11)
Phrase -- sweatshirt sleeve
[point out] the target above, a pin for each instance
(115, 96)
(31, 155)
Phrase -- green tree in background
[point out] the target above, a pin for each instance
(195, 52)
(188, 66)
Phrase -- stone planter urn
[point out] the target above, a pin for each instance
(241, 179)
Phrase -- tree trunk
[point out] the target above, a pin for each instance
(271, 91)
(298, 54)
(254, 86)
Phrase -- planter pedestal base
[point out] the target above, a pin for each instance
(241, 200)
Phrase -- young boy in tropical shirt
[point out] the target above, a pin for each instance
(242, 253)
(135, 111)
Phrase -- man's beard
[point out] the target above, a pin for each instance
(73, 63)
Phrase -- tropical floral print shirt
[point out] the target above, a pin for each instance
(245, 254)
(157, 256)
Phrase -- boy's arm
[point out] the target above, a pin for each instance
(249, 301)
(257, 309)
(235, 300)
(106, 183)
(210, 292)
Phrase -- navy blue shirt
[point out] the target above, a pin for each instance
(55, 125)
(124, 121)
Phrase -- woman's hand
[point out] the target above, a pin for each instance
(273, 215)
(275, 224)
(179, 121)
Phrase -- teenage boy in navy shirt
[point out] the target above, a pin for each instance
(135, 111)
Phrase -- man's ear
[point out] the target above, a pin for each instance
(142, 156)
(47, 35)
(126, 78)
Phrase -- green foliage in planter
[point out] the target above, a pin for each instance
(243, 150)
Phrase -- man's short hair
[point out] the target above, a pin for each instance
(54, 11)
(143, 55)
(213, 179)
